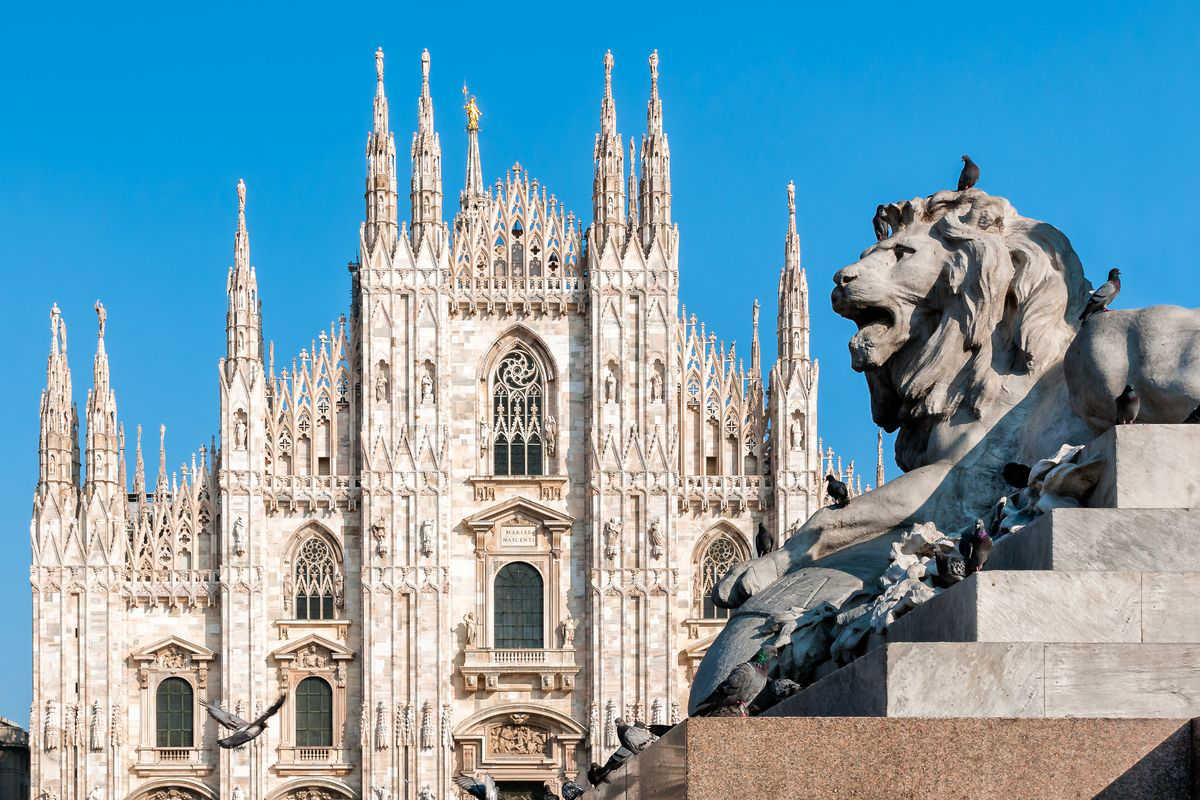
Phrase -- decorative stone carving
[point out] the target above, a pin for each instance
(517, 739)
(410, 724)
(657, 540)
(239, 537)
(471, 629)
(447, 729)
(379, 534)
(656, 710)
(289, 588)
(173, 659)
(70, 723)
(381, 735)
(612, 539)
(116, 730)
(95, 793)
(240, 430)
(426, 390)
(427, 538)
(96, 729)
(655, 389)
(484, 434)
(339, 590)
(610, 387)
(381, 384)
(364, 726)
(311, 658)
(427, 726)
(380, 793)
(238, 794)
(566, 632)
(426, 793)
(594, 724)
(551, 434)
(610, 724)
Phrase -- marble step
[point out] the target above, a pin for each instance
(1149, 466)
(1103, 539)
(1014, 679)
(1059, 606)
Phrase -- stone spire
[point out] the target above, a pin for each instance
(139, 469)
(755, 354)
(381, 218)
(243, 323)
(473, 189)
(879, 476)
(608, 182)
(58, 446)
(633, 206)
(656, 167)
(793, 294)
(426, 193)
(160, 488)
(103, 438)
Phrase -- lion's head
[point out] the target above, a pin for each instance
(964, 292)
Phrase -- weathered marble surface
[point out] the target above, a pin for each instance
(1148, 466)
(894, 759)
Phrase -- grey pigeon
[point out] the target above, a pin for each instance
(1016, 475)
(776, 691)
(951, 569)
(635, 737)
(837, 490)
(743, 684)
(1194, 417)
(481, 790)
(764, 542)
(242, 731)
(969, 175)
(975, 547)
(598, 774)
(880, 223)
(572, 790)
(1100, 298)
(1128, 404)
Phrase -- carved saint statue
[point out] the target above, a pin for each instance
(427, 538)
(612, 538)
(239, 537)
(610, 388)
(381, 387)
(95, 731)
(426, 390)
(379, 534)
(655, 388)
(288, 587)
(426, 791)
(379, 793)
(657, 540)
(566, 631)
(471, 626)
(484, 430)
(339, 590)
(238, 794)
(551, 434)
(795, 434)
(239, 433)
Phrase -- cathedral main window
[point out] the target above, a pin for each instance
(317, 580)
(518, 405)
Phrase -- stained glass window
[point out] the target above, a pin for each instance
(721, 554)
(316, 574)
(518, 601)
(518, 400)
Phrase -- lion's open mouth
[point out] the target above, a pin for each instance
(873, 344)
(870, 316)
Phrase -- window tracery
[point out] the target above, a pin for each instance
(518, 401)
(721, 554)
(317, 581)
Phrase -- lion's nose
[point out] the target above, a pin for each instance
(844, 276)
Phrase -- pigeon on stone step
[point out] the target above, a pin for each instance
(740, 687)
(950, 570)
(1016, 475)
(1194, 417)
(599, 774)
(1100, 298)
(596, 774)
(1128, 404)
(635, 737)
(481, 790)
(969, 175)
(776, 691)
(975, 547)
(764, 541)
(837, 491)
(880, 223)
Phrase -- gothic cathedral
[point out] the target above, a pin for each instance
(465, 530)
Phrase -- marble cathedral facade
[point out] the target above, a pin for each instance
(467, 528)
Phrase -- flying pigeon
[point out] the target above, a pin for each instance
(764, 542)
(969, 175)
(485, 790)
(1100, 298)
(572, 790)
(242, 731)
(837, 491)
(740, 687)
(1016, 475)
(634, 738)
(950, 570)
(1128, 404)
(975, 547)
(880, 223)
(1193, 417)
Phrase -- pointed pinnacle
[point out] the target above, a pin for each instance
(379, 64)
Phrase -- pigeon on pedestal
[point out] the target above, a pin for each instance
(838, 491)
(572, 790)
(764, 542)
(242, 731)
(975, 547)
(950, 570)
(880, 223)
(1100, 298)
(1128, 404)
(740, 687)
(635, 737)
(969, 175)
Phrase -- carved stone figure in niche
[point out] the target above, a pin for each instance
(339, 590)
(471, 629)
(172, 658)
(484, 431)
(795, 434)
(566, 631)
(426, 793)
(95, 737)
(289, 588)
(238, 794)
(95, 794)
(551, 434)
(239, 537)
(311, 658)
(381, 387)
(657, 540)
(612, 538)
(427, 538)
(610, 387)
(426, 390)
(379, 534)
(240, 430)
(655, 388)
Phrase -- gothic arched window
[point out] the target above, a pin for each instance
(518, 603)
(314, 713)
(173, 713)
(518, 403)
(721, 554)
(317, 580)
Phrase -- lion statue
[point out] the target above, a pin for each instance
(966, 315)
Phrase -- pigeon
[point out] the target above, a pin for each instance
(880, 223)
(837, 491)
(969, 175)
(740, 687)
(598, 774)
(764, 542)
(572, 790)
(776, 691)
(481, 790)
(1016, 475)
(975, 547)
(1193, 417)
(1128, 404)
(1100, 298)
(950, 570)
(242, 731)
(634, 738)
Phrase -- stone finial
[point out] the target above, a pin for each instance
(379, 64)
(608, 67)
(654, 69)
(101, 315)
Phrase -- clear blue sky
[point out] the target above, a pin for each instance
(126, 128)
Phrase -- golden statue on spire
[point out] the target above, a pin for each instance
(473, 112)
